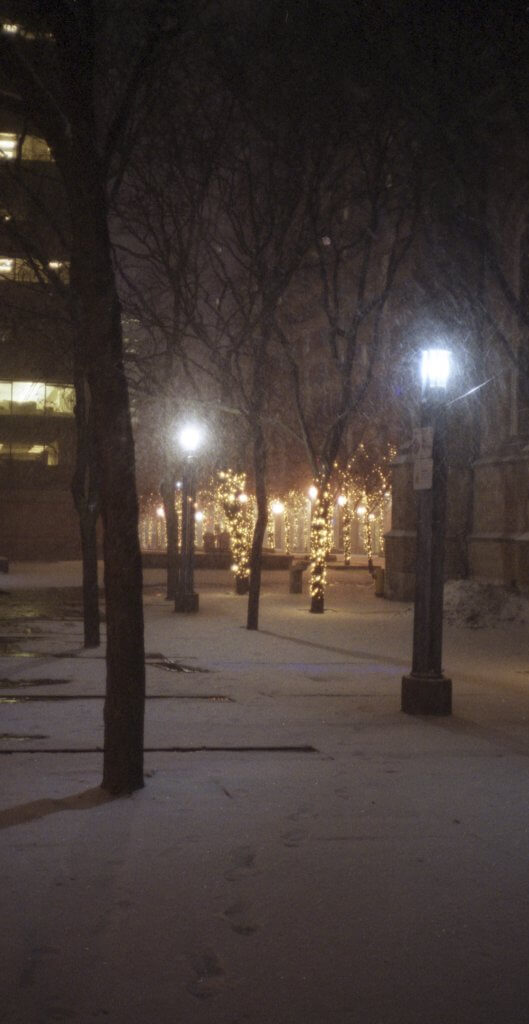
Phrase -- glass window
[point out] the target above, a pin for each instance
(27, 451)
(8, 145)
(28, 396)
(34, 148)
(5, 397)
(59, 400)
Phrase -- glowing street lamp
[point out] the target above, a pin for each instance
(426, 691)
(190, 437)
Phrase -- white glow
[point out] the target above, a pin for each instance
(190, 437)
(277, 507)
(361, 510)
(6, 266)
(160, 512)
(243, 498)
(199, 516)
(313, 492)
(435, 367)
(342, 500)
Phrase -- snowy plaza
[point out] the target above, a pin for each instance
(302, 852)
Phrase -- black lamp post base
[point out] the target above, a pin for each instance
(317, 604)
(186, 603)
(426, 695)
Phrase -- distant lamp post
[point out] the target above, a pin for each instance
(277, 510)
(426, 691)
(190, 438)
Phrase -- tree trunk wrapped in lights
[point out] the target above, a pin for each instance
(347, 520)
(238, 513)
(320, 544)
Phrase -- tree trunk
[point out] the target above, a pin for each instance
(100, 331)
(319, 544)
(259, 453)
(86, 500)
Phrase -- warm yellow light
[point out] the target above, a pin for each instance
(277, 507)
(243, 498)
(361, 510)
(313, 492)
(160, 512)
(342, 500)
(199, 516)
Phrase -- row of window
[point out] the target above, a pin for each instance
(28, 147)
(14, 28)
(29, 398)
(16, 269)
(45, 454)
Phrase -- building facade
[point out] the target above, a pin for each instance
(37, 426)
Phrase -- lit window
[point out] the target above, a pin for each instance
(8, 145)
(33, 148)
(5, 397)
(29, 398)
(21, 451)
(7, 266)
(60, 400)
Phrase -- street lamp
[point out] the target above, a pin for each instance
(426, 691)
(190, 437)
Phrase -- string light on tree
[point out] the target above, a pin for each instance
(320, 542)
(239, 515)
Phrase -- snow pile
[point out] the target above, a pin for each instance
(482, 605)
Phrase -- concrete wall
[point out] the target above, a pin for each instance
(487, 534)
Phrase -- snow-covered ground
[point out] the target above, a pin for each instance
(302, 851)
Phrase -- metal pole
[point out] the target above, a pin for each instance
(186, 599)
(426, 691)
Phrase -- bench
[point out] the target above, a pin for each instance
(296, 575)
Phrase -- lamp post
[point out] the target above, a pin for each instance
(277, 509)
(426, 691)
(190, 438)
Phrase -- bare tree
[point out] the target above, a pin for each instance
(55, 71)
(362, 218)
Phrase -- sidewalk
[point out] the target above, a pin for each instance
(302, 851)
